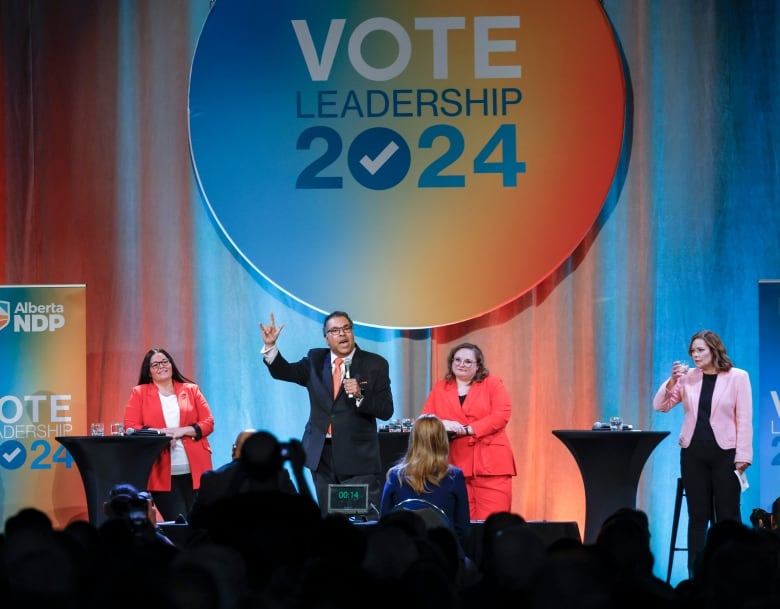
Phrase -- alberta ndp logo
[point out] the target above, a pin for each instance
(5, 313)
(30, 317)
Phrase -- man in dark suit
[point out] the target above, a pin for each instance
(348, 390)
(257, 465)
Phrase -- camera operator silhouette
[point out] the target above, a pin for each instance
(132, 512)
(257, 465)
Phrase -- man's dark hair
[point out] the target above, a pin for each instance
(331, 316)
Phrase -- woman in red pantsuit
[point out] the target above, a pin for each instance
(475, 409)
(168, 402)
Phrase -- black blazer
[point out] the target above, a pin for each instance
(355, 439)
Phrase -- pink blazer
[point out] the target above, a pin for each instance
(487, 409)
(144, 409)
(731, 417)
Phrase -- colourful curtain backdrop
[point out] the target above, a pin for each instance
(97, 187)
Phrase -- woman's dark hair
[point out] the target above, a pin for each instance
(720, 360)
(146, 374)
(481, 373)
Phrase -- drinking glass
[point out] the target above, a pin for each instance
(684, 366)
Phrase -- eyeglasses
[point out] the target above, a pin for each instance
(163, 363)
(342, 330)
(467, 363)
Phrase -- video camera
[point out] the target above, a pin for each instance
(760, 519)
(132, 506)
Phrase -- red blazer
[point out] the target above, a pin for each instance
(487, 409)
(145, 410)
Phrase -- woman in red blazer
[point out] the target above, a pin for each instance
(475, 409)
(166, 401)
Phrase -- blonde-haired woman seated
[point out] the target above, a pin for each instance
(424, 474)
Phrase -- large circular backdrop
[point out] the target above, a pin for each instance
(414, 162)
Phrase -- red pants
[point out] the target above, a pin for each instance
(489, 494)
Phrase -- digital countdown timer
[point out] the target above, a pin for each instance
(348, 498)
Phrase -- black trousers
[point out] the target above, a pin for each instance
(178, 500)
(325, 475)
(711, 489)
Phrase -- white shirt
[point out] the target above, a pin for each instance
(170, 407)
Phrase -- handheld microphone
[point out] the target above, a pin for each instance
(144, 432)
(347, 364)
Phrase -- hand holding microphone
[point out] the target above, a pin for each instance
(352, 386)
(347, 364)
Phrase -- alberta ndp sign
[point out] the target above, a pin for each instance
(43, 395)
(442, 157)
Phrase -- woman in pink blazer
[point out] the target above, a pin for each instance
(166, 401)
(716, 436)
(475, 409)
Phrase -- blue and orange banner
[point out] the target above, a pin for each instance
(767, 440)
(42, 395)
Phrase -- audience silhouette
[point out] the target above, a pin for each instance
(269, 548)
(257, 465)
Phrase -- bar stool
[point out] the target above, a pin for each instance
(675, 523)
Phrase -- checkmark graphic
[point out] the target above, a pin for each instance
(12, 455)
(379, 158)
(374, 165)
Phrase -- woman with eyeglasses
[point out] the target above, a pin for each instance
(168, 402)
(475, 409)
